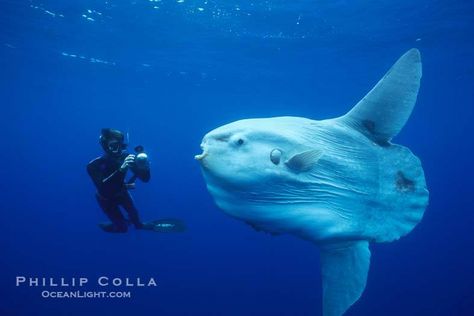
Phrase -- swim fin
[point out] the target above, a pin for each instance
(168, 225)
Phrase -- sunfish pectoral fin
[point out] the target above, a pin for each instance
(304, 161)
(383, 112)
(344, 268)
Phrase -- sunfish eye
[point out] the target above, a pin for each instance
(275, 156)
(237, 140)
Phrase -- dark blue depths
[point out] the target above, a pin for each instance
(169, 71)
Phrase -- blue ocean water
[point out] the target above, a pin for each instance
(168, 72)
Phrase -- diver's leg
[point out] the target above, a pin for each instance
(127, 202)
(111, 209)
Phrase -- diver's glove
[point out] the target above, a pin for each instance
(128, 162)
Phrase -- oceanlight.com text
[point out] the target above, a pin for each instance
(84, 294)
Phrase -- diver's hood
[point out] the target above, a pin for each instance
(107, 135)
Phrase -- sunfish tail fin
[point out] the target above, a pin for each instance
(344, 268)
(383, 112)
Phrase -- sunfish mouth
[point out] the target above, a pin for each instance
(203, 155)
(200, 156)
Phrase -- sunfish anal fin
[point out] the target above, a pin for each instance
(344, 268)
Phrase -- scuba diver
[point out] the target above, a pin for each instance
(108, 173)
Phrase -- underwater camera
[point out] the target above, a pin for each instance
(141, 158)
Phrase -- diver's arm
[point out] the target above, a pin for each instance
(117, 175)
(99, 178)
(94, 172)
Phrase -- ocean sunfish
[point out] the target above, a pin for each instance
(340, 183)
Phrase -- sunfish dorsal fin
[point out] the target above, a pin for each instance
(344, 268)
(383, 112)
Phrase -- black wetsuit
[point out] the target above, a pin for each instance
(112, 192)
